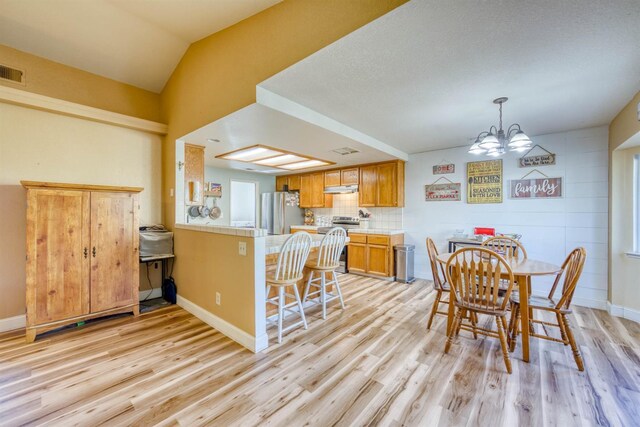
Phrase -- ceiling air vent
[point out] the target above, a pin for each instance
(346, 150)
(11, 74)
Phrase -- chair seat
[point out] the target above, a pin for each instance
(271, 280)
(538, 302)
(313, 265)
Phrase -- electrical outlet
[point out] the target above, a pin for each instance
(242, 248)
(217, 298)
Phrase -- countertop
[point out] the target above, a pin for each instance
(375, 231)
(273, 244)
(305, 227)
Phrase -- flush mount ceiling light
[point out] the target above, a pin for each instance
(496, 141)
(273, 157)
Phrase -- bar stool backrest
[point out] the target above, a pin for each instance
(331, 247)
(293, 256)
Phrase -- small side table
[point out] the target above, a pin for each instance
(163, 262)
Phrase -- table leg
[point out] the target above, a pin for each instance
(452, 312)
(523, 287)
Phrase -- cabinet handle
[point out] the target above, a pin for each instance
(86, 253)
(94, 251)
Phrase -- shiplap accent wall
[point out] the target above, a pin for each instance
(551, 228)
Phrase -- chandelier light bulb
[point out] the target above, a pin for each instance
(490, 141)
(520, 139)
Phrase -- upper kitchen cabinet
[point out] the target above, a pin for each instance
(194, 174)
(382, 185)
(292, 182)
(312, 192)
(341, 177)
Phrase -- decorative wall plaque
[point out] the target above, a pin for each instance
(442, 192)
(485, 181)
(444, 169)
(536, 188)
(546, 159)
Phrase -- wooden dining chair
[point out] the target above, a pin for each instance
(474, 275)
(440, 284)
(289, 271)
(569, 276)
(506, 246)
(327, 262)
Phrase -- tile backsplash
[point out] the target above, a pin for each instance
(347, 205)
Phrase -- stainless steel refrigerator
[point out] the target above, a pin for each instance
(279, 211)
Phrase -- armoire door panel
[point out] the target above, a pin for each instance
(57, 270)
(114, 243)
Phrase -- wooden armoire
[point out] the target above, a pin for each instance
(82, 253)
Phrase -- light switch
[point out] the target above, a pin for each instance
(242, 248)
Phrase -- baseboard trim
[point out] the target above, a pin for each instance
(624, 312)
(255, 344)
(11, 323)
(150, 294)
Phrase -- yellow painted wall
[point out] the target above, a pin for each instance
(42, 146)
(218, 75)
(59, 81)
(625, 124)
(210, 263)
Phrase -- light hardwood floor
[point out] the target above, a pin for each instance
(373, 364)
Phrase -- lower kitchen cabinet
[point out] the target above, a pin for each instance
(372, 254)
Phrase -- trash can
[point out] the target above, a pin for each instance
(404, 263)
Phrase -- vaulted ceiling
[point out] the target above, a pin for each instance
(139, 42)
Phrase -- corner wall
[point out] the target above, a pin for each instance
(551, 228)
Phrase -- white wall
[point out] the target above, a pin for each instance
(266, 184)
(550, 228)
(41, 146)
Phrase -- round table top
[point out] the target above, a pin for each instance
(519, 266)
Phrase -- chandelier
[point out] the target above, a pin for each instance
(495, 142)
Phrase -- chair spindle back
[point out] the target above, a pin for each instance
(506, 246)
(293, 256)
(571, 271)
(331, 247)
(476, 275)
(437, 269)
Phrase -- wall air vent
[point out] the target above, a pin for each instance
(11, 74)
(346, 150)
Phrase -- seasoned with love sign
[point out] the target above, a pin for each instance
(538, 188)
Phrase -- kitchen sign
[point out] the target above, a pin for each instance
(444, 169)
(485, 181)
(537, 188)
(442, 192)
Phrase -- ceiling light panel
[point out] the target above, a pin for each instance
(304, 165)
(251, 154)
(281, 160)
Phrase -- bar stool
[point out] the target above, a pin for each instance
(289, 271)
(328, 261)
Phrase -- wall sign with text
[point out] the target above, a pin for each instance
(442, 192)
(537, 188)
(485, 181)
(444, 169)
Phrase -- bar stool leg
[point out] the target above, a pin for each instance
(323, 295)
(337, 285)
(307, 287)
(280, 311)
(295, 291)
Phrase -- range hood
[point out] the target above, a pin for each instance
(341, 189)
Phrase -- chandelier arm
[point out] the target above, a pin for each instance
(513, 127)
(482, 135)
(492, 129)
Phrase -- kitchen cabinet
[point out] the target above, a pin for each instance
(295, 229)
(349, 176)
(292, 181)
(332, 178)
(312, 192)
(372, 254)
(382, 185)
(194, 174)
(82, 253)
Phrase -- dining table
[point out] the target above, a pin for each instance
(523, 270)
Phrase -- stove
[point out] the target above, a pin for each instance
(347, 223)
